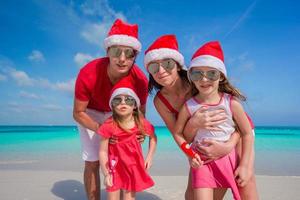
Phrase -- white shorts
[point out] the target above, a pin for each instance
(89, 139)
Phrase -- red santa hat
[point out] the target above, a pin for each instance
(124, 87)
(122, 33)
(209, 55)
(164, 47)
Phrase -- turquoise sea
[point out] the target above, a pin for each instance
(58, 148)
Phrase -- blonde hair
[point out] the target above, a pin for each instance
(224, 86)
(138, 120)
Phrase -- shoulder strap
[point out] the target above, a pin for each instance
(167, 103)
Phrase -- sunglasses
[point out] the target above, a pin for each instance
(167, 64)
(116, 52)
(198, 75)
(130, 101)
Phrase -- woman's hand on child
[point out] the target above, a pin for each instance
(242, 175)
(208, 119)
(212, 149)
(108, 180)
(140, 138)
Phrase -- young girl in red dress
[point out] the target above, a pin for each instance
(122, 163)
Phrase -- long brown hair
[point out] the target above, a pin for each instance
(153, 85)
(226, 87)
(138, 120)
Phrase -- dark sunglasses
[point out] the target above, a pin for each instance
(198, 75)
(116, 52)
(167, 64)
(130, 101)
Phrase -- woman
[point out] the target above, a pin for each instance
(166, 75)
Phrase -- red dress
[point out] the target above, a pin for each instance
(125, 158)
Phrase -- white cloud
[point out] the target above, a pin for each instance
(100, 8)
(247, 65)
(21, 78)
(52, 107)
(67, 86)
(36, 56)
(244, 63)
(20, 108)
(24, 80)
(25, 108)
(3, 77)
(81, 59)
(95, 33)
(80, 18)
(28, 95)
(243, 56)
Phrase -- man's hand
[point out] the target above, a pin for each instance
(108, 180)
(140, 138)
(113, 140)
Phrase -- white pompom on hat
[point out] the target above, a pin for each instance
(124, 34)
(164, 47)
(124, 87)
(209, 55)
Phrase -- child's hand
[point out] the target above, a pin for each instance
(148, 163)
(196, 161)
(242, 175)
(108, 180)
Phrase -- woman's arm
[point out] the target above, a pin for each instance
(175, 127)
(243, 171)
(151, 150)
(168, 117)
(171, 122)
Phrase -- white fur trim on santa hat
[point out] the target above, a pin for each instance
(162, 53)
(125, 91)
(124, 40)
(208, 61)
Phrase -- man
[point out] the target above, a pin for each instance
(92, 92)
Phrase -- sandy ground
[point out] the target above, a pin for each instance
(52, 185)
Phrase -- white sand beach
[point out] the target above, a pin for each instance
(52, 185)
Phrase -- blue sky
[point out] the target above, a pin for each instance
(43, 44)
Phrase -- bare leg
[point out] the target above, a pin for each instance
(113, 195)
(204, 193)
(249, 191)
(189, 193)
(127, 195)
(92, 180)
(219, 193)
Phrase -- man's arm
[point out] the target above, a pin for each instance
(79, 114)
